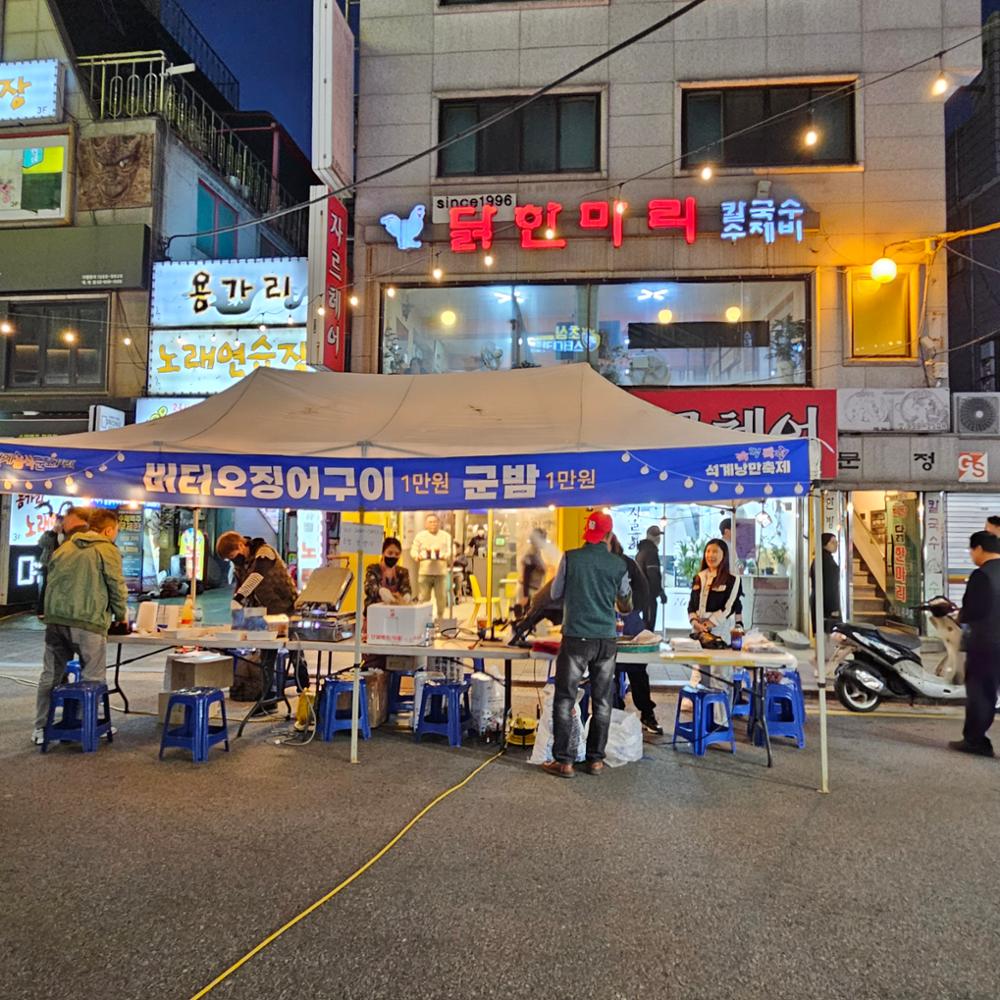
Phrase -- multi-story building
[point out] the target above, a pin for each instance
(696, 217)
(121, 144)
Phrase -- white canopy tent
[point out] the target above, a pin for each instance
(375, 428)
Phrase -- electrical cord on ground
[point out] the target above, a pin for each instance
(288, 925)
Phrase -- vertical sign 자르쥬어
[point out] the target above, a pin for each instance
(335, 305)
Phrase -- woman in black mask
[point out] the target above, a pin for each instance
(386, 580)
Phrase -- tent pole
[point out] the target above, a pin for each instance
(824, 763)
(489, 572)
(193, 589)
(359, 598)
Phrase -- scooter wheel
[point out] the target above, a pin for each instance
(853, 696)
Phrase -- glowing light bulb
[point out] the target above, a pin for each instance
(127, 341)
(354, 300)
(734, 314)
(550, 233)
(69, 336)
(390, 292)
(707, 172)
(940, 85)
(437, 274)
(6, 327)
(665, 316)
(811, 137)
(620, 207)
(262, 328)
(448, 318)
(884, 270)
(488, 260)
(321, 311)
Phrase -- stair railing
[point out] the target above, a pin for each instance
(871, 552)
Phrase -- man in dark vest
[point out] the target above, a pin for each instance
(981, 618)
(589, 581)
(276, 592)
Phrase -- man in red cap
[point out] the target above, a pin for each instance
(589, 581)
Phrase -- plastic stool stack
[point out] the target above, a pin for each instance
(702, 731)
(80, 722)
(399, 702)
(445, 711)
(785, 713)
(196, 733)
(795, 679)
(330, 719)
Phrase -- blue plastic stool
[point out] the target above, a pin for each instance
(399, 702)
(701, 732)
(196, 733)
(783, 713)
(332, 720)
(742, 688)
(444, 711)
(796, 681)
(80, 722)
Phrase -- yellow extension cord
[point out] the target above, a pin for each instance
(257, 949)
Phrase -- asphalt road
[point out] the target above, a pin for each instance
(673, 877)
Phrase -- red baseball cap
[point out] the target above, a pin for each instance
(598, 527)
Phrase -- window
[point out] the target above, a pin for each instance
(214, 213)
(882, 317)
(55, 345)
(711, 117)
(34, 180)
(648, 333)
(553, 135)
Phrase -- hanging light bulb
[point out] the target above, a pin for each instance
(127, 341)
(321, 311)
(665, 316)
(884, 270)
(69, 336)
(488, 260)
(448, 318)
(354, 300)
(707, 172)
(941, 82)
(734, 314)
(620, 207)
(390, 292)
(437, 274)
(262, 328)
(811, 137)
(6, 327)
(550, 233)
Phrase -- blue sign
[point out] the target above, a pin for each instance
(571, 480)
(269, 291)
(405, 231)
(31, 91)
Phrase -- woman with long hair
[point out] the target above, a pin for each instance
(716, 593)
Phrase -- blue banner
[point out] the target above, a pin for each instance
(566, 480)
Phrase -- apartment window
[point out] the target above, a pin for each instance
(712, 117)
(215, 213)
(55, 345)
(553, 135)
(882, 326)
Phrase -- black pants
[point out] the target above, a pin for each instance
(982, 681)
(576, 657)
(638, 679)
(649, 614)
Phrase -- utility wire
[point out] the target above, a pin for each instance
(459, 136)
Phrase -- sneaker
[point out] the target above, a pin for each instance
(112, 732)
(38, 737)
(650, 724)
(986, 750)
(559, 770)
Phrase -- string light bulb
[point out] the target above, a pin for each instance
(707, 172)
(127, 341)
(620, 207)
(321, 311)
(550, 233)
(734, 314)
(390, 292)
(448, 318)
(488, 260)
(354, 300)
(884, 270)
(811, 138)
(437, 274)
(262, 328)
(6, 327)
(69, 336)
(664, 317)
(941, 83)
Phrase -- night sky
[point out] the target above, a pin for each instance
(268, 46)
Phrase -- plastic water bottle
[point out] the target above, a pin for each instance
(736, 637)
(428, 634)
(74, 669)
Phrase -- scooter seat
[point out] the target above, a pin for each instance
(908, 640)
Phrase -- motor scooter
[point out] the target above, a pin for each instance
(872, 665)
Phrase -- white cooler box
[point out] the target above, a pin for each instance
(399, 624)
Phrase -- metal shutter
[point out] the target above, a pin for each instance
(964, 514)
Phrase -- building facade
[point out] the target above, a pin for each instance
(695, 216)
(121, 146)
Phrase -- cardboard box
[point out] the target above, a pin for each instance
(399, 624)
(197, 670)
(377, 688)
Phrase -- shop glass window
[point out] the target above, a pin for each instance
(635, 334)
(55, 345)
(34, 181)
(711, 117)
(215, 213)
(555, 134)
(881, 317)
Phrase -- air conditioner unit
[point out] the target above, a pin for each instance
(977, 414)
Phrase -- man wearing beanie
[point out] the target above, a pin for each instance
(589, 581)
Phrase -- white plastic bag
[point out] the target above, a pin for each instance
(624, 739)
(541, 752)
(486, 701)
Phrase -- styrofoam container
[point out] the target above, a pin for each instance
(399, 624)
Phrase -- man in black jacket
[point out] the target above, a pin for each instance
(981, 618)
(647, 558)
(831, 584)
(275, 592)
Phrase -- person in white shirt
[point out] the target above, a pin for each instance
(432, 552)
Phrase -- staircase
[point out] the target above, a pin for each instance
(869, 604)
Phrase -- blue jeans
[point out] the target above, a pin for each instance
(577, 657)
